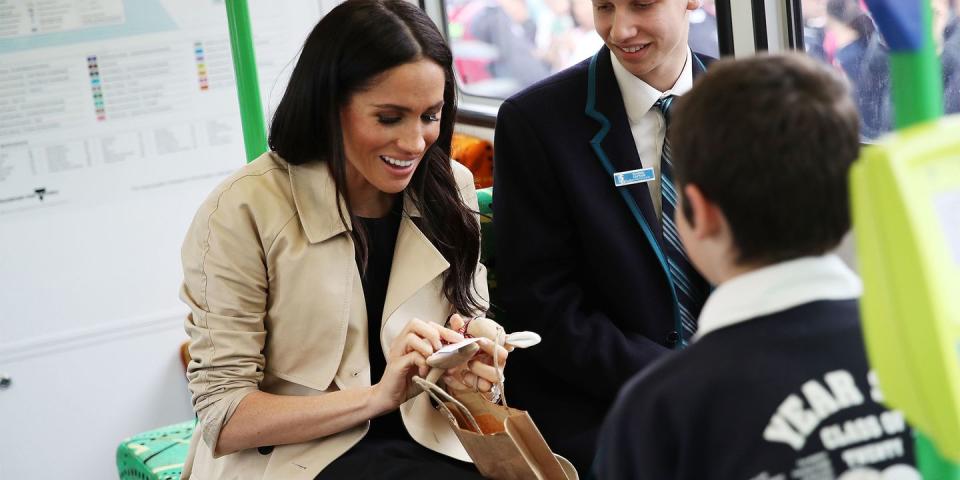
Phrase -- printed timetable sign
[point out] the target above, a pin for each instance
(117, 117)
(906, 211)
(105, 100)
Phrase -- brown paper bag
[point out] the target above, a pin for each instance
(503, 442)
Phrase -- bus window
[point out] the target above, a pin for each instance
(502, 46)
(841, 33)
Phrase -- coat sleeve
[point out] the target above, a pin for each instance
(225, 287)
(539, 265)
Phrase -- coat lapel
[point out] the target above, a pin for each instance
(700, 63)
(614, 146)
(416, 263)
(615, 140)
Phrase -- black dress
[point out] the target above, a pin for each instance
(387, 451)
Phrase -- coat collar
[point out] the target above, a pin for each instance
(416, 261)
(315, 196)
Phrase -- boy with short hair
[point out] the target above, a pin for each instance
(776, 383)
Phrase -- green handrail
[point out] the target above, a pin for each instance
(917, 79)
(248, 83)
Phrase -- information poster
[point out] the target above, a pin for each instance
(117, 118)
(101, 100)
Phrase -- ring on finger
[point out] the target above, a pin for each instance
(495, 394)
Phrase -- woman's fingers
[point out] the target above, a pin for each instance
(418, 336)
(476, 382)
(467, 381)
(455, 382)
(427, 331)
(456, 322)
(409, 363)
(450, 336)
(485, 386)
(434, 333)
(415, 343)
(489, 347)
(392, 389)
(426, 338)
(483, 370)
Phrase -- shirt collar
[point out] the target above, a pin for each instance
(639, 96)
(778, 287)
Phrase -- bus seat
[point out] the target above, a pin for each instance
(475, 154)
(157, 454)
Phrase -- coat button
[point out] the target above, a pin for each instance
(672, 338)
(265, 450)
(355, 374)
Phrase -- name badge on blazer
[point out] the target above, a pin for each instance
(631, 177)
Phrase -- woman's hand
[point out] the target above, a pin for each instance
(479, 373)
(408, 357)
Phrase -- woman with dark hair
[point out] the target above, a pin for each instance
(321, 275)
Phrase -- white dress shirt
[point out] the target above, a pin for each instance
(778, 287)
(646, 122)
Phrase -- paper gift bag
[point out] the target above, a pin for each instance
(503, 442)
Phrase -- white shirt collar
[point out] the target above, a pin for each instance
(777, 287)
(639, 96)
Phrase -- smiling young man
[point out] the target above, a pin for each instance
(587, 252)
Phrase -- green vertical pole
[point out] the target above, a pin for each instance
(248, 83)
(917, 79)
(933, 465)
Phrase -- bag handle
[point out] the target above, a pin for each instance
(501, 338)
(441, 397)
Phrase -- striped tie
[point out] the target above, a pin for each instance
(690, 287)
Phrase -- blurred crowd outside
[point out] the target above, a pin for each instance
(502, 46)
(841, 33)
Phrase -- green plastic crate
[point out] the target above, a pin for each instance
(155, 455)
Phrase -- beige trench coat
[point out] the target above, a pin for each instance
(277, 305)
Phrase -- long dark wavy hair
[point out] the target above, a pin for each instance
(349, 47)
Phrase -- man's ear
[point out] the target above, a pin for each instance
(705, 216)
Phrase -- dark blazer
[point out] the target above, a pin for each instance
(578, 259)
